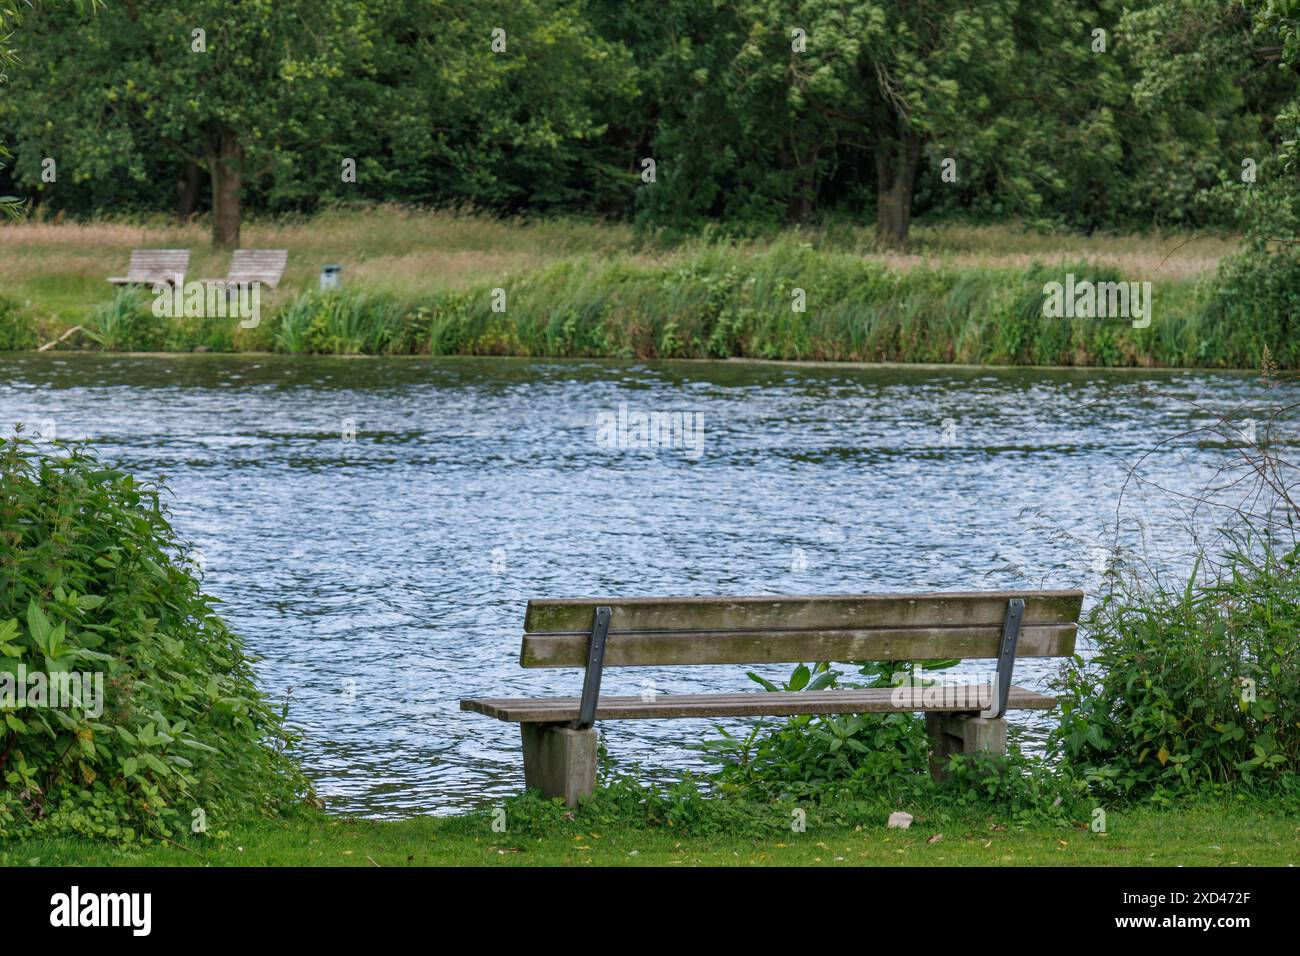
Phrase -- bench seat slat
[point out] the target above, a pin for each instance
(874, 700)
(148, 266)
(792, 646)
(939, 609)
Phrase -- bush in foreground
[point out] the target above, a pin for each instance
(1194, 688)
(93, 582)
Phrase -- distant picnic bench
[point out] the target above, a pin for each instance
(559, 741)
(151, 266)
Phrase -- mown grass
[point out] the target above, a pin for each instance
(1206, 835)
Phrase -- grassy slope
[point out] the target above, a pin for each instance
(1198, 836)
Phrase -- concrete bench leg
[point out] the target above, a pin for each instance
(962, 734)
(559, 761)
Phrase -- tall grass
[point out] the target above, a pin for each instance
(725, 302)
(787, 301)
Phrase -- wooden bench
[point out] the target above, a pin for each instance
(255, 265)
(151, 266)
(595, 633)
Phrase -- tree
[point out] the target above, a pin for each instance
(236, 89)
(9, 14)
(1221, 78)
(768, 105)
(273, 96)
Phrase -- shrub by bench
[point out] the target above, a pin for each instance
(560, 744)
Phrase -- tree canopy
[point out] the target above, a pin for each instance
(1079, 113)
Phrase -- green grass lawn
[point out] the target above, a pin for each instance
(1220, 835)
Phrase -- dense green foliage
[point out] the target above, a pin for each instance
(1254, 310)
(16, 328)
(1191, 688)
(849, 767)
(725, 302)
(1086, 113)
(94, 581)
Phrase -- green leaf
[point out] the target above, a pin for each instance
(799, 679)
(155, 764)
(38, 625)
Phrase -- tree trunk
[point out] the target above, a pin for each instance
(227, 179)
(896, 163)
(800, 206)
(187, 191)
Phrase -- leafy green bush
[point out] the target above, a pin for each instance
(803, 755)
(850, 766)
(126, 323)
(343, 322)
(1190, 688)
(17, 331)
(94, 581)
(1251, 314)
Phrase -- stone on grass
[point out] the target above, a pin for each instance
(899, 820)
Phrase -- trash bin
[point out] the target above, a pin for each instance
(330, 276)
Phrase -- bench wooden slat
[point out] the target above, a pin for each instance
(258, 265)
(790, 612)
(739, 704)
(148, 266)
(783, 646)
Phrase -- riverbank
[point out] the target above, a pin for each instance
(438, 284)
(1203, 835)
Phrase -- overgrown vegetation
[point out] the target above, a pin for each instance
(420, 282)
(1253, 312)
(1194, 686)
(1191, 688)
(17, 330)
(95, 583)
(787, 300)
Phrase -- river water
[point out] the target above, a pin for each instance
(375, 527)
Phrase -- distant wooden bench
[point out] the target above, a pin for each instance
(560, 744)
(247, 266)
(151, 266)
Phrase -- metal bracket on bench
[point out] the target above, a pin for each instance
(595, 667)
(1007, 651)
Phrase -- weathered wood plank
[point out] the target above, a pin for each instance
(777, 647)
(258, 265)
(815, 611)
(740, 704)
(154, 265)
(265, 266)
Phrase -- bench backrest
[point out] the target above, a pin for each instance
(258, 265)
(779, 629)
(153, 265)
